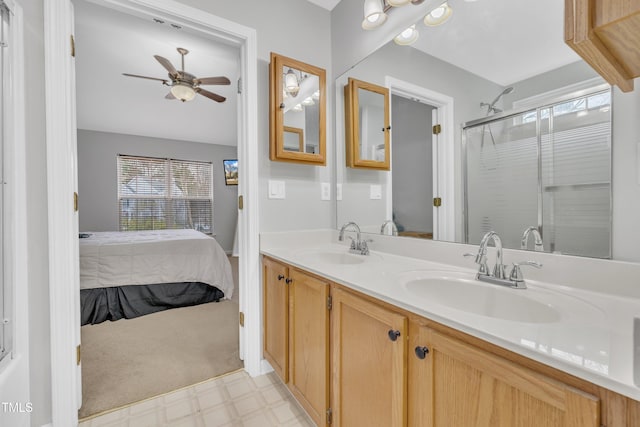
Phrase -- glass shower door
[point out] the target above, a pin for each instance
(501, 179)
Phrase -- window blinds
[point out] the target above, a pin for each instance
(156, 193)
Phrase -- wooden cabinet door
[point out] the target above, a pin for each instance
(276, 316)
(461, 385)
(368, 363)
(309, 344)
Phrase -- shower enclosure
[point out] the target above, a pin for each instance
(547, 167)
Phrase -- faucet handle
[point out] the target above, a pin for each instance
(481, 260)
(353, 243)
(516, 273)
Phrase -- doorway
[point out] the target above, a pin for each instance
(62, 182)
(442, 155)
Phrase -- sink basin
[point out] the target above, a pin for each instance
(461, 291)
(335, 258)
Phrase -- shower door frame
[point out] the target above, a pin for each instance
(547, 103)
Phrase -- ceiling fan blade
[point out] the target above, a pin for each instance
(170, 96)
(145, 77)
(221, 80)
(167, 65)
(211, 95)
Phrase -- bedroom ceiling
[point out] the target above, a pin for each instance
(109, 43)
(504, 41)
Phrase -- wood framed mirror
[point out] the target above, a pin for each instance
(367, 126)
(297, 111)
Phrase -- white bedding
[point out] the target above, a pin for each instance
(149, 257)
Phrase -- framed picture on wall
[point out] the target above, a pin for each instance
(231, 172)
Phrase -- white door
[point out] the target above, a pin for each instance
(15, 407)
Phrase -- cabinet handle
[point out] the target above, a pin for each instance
(288, 281)
(280, 276)
(421, 352)
(393, 335)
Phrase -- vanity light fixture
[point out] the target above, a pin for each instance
(297, 107)
(398, 3)
(439, 15)
(316, 95)
(308, 101)
(407, 37)
(374, 15)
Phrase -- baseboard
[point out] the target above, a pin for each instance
(265, 367)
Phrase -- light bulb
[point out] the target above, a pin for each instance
(439, 15)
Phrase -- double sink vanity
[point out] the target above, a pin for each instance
(407, 335)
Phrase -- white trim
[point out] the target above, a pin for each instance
(61, 176)
(544, 98)
(14, 375)
(444, 216)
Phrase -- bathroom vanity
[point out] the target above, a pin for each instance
(377, 340)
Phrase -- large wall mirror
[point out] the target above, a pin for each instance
(297, 111)
(527, 138)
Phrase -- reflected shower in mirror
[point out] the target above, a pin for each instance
(570, 195)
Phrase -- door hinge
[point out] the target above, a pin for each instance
(329, 416)
(78, 355)
(73, 46)
(329, 302)
(242, 319)
(437, 202)
(240, 85)
(75, 201)
(240, 202)
(437, 129)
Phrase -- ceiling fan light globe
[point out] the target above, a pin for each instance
(183, 92)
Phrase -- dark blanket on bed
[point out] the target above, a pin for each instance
(126, 302)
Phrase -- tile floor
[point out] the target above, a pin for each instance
(231, 400)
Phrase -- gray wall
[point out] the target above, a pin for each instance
(412, 160)
(300, 30)
(97, 177)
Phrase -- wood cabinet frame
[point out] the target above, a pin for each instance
(352, 125)
(276, 114)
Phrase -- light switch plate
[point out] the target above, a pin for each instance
(338, 191)
(375, 192)
(276, 189)
(325, 191)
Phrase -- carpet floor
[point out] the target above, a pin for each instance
(131, 360)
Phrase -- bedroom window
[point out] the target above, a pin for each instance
(156, 194)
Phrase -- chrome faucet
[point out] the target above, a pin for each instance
(394, 229)
(537, 242)
(358, 246)
(498, 276)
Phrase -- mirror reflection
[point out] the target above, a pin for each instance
(297, 111)
(562, 128)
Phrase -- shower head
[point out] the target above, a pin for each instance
(491, 106)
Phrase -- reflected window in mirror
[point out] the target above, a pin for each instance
(367, 126)
(297, 111)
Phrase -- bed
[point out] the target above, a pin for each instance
(129, 274)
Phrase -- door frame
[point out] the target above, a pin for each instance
(62, 183)
(14, 368)
(443, 154)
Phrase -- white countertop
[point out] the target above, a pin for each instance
(592, 339)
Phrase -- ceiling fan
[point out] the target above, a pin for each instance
(184, 86)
